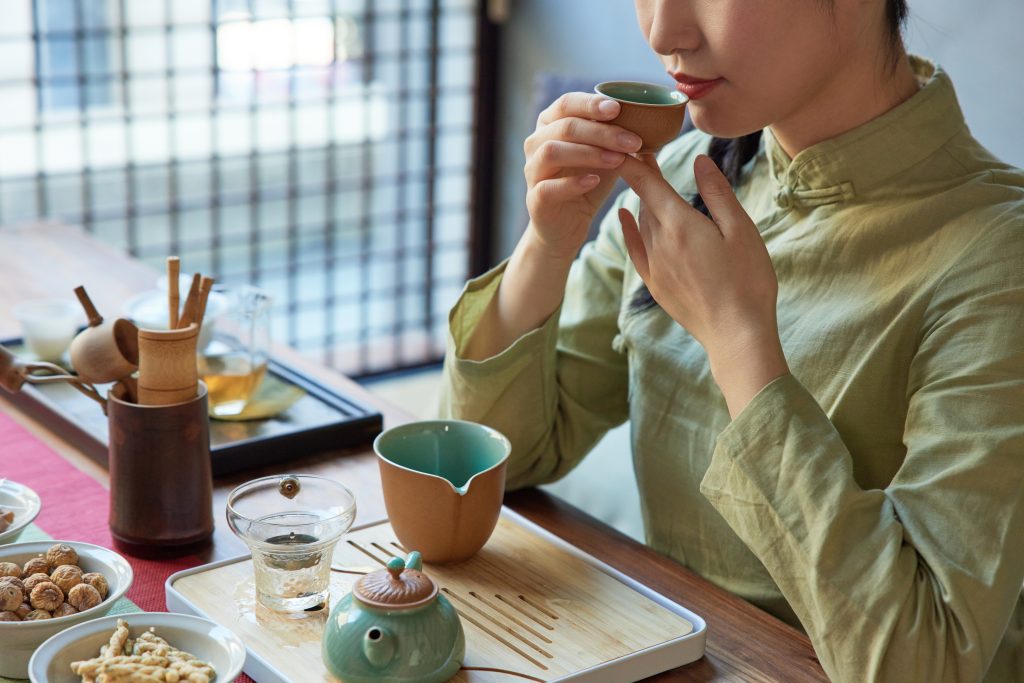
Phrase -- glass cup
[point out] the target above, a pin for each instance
(48, 326)
(235, 360)
(291, 524)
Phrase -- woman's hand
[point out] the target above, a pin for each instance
(711, 275)
(570, 168)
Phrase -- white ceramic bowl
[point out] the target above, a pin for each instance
(206, 640)
(25, 504)
(149, 310)
(21, 638)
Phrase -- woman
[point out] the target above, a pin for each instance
(821, 362)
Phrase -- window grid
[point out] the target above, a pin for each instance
(293, 178)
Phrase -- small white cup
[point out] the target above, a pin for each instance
(48, 326)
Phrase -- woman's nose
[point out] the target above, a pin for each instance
(674, 27)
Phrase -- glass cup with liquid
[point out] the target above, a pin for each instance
(291, 523)
(234, 362)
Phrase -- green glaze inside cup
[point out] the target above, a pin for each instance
(451, 449)
(641, 93)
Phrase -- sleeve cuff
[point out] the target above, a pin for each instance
(762, 455)
(465, 317)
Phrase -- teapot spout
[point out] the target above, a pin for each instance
(379, 647)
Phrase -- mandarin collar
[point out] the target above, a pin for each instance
(860, 160)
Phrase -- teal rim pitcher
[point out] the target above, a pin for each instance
(444, 482)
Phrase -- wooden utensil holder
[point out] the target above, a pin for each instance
(161, 487)
(167, 365)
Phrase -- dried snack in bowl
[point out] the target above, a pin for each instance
(83, 597)
(31, 582)
(147, 658)
(62, 592)
(97, 581)
(6, 519)
(11, 596)
(61, 554)
(46, 596)
(67, 576)
(37, 565)
(36, 615)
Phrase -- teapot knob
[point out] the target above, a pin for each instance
(289, 487)
(396, 566)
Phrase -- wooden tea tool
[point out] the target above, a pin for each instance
(106, 351)
(167, 366)
(188, 311)
(173, 298)
(14, 373)
(195, 303)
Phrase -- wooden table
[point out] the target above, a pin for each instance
(743, 643)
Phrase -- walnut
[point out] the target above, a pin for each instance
(61, 554)
(36, 615)
(37, 565)
(64, 610)
(10, 597)
(46, 595)
(97, 581)
(83, 597)
(9, 616)
(13, 580)
(6, 519)
(10, 569)
(67, 576)
(34, 580)
(23, 610)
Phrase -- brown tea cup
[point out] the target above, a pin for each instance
(443, 482)
(654, 112)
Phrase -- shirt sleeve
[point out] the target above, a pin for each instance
(557, 389)
(917, 581)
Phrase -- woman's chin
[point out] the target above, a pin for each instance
(716, 121)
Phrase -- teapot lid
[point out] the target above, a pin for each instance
(399, 586)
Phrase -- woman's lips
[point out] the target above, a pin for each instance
(694, 88)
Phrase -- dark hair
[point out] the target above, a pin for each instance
(732, 154)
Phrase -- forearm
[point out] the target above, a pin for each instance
(531, 290)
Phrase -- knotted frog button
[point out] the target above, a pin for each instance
(784, 198)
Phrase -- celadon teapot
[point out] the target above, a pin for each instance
(394, 627)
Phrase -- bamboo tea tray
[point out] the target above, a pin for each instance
(530, 603)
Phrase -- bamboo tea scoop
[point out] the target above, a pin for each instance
(167, 366)
(106, 351)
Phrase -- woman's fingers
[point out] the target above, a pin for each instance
(581, 104)
(573, 129)
(551, 192)
(718, 196)
(634, 243)
(552, 157)
(654, 191)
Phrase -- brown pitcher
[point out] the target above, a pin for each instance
(443, 482)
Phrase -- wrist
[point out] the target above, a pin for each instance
(534, 247)
(745, 365)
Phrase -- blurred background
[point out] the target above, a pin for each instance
(320, 149)
(358, 159)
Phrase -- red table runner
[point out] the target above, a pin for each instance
(75, 508)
